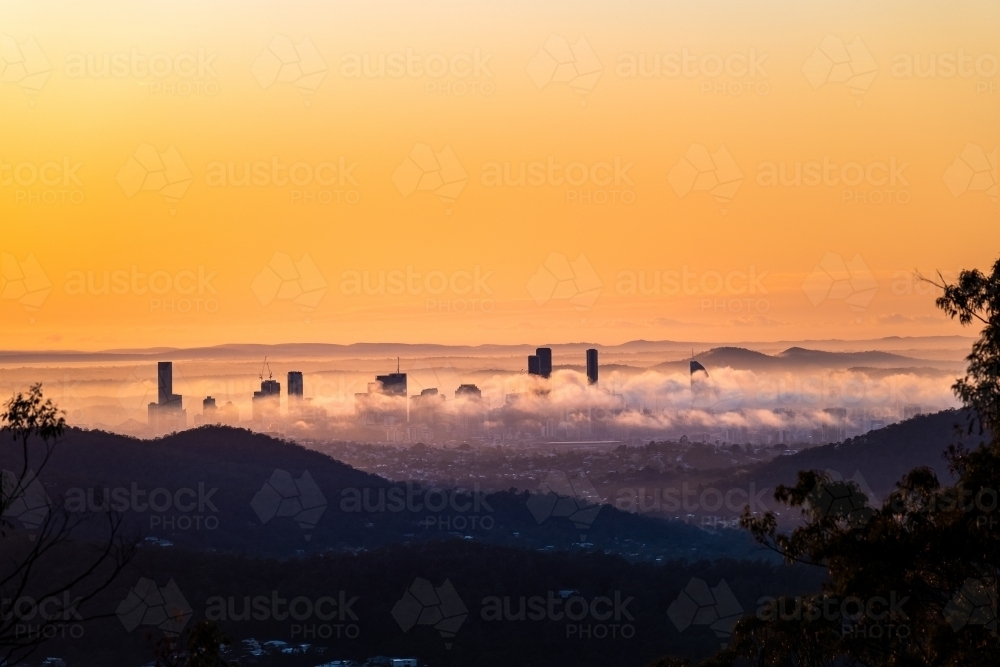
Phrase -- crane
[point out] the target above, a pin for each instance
(261, 374)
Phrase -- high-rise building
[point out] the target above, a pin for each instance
(544, 355)
(267, 401)
(468, 391)
(295, 387)
(164, 381)
(471, 412)
(167, 413)
(592, 366)
(533, 367)
(209, 412)
(393, 384)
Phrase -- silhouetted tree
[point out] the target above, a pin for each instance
(40, 560)
(914, 581)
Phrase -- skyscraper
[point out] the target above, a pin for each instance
(393, 384)
(592, 366)
(544, 355)
(164, 381)
(533, 368)
(167, 413)
(295, 386)
(267, 401)
(209, 411)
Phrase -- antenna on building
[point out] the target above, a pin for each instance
(266, 365)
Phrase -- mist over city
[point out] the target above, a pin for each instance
(499, 334)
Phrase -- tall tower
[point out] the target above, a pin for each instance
(164, 381)
(167, 413)
(295, 385)
(544, 355)
(592, 366)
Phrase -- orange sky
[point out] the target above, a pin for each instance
(659, 144)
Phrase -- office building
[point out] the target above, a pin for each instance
(295, 391)
(209, 412)
(592, 366)
(267, 402)
(167, 414)
(544, 355)
(471, 412)
(374, 409)
(164, 381)
(468, 391)
(393, 384)
(424, 407)
(295, 386)
(533, 368)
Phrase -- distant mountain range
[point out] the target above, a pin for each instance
(320, 350)
(800, 359)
